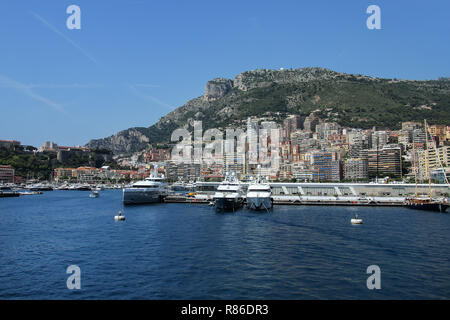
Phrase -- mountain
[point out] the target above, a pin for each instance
(351, 100)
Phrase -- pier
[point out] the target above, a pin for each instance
(290, 200)
(324, 194)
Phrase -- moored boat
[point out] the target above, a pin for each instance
(151, 190)
(427, 203)
(229, 194)
(259, 195)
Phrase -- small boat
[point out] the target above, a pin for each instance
(30, 193)
(94, 194)
(119, 217)
(356, 220)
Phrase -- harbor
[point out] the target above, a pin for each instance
(336, 194)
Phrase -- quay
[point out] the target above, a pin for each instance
(359, 190)
(286, 200)
(333, 194)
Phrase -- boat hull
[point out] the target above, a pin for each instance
(439, 207)
(224, 204)
(259, 203)
(141, 196)
(9, 194)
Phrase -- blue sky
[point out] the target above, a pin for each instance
(134, 61)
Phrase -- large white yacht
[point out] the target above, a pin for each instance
(259, 194)
(150, 190)
(229, 194)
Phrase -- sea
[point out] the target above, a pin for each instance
(190, 251)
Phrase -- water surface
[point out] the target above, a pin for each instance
(181, 251)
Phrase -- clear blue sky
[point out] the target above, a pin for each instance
(134, 61)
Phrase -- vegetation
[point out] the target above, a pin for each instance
(350, 101)
(40, 165)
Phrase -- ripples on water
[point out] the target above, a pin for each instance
(178, 251)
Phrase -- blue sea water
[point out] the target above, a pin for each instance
(182, 251)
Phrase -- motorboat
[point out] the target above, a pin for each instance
(94, 194)
(150, 190)
(229, 194)
(259, 195)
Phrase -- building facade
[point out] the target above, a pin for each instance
(6, 174)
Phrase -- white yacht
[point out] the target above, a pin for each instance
(150, 190)
(229, 194)
(259, 194)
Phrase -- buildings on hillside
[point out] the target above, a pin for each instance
(6, 174)
(310, 149)
(92, 174)
(431, 161)
(304, 149)
(9, 144)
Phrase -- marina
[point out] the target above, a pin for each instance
(336, 194)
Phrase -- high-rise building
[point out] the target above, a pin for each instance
(379, 139)
(357, 141)
(418, 136)
(356, 169)
(438, 131)
(252, 140)
(310, 123)
(404, 137)
(326, 166)
(385, 162)
(325, 129)
(182, 171)
(432, 159)
(290, 125)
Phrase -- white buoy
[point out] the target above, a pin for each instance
(119, 217)
(356, 220)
